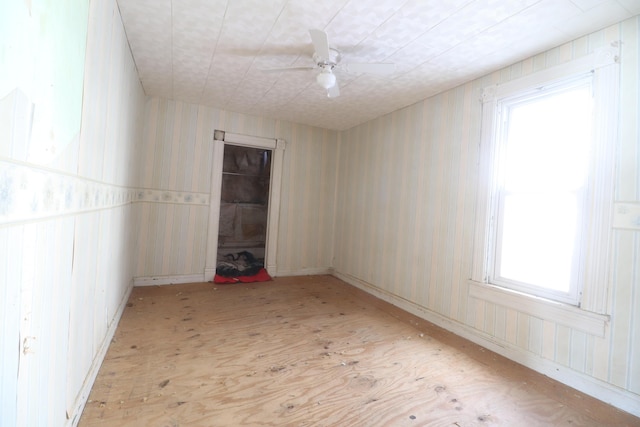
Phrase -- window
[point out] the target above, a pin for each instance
(545, 192)
(544, 138)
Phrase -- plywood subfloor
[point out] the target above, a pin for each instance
(312, 351)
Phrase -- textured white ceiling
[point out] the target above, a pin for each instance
(212, 52)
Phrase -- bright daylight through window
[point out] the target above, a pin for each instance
(543, 158)
(546, 174)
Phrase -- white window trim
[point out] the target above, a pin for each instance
(560, 313)
(572, 296)
(593, 302)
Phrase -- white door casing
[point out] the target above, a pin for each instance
(277, 147)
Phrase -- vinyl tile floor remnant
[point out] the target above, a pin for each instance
(312, 351)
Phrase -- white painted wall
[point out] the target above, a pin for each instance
(67, 224)
(405, 222)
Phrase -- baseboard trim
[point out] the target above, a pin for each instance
(305, 272)
(168, 280)
(608, 393)
(73, 417)
(199, 278)
(209, 274)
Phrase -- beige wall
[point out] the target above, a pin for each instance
(178, 157)
(67, 225)
(406, 215)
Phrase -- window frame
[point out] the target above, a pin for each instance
(593, 301)
(503, 107)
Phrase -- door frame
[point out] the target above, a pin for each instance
(277, 147)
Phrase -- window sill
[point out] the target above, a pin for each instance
(564, 314)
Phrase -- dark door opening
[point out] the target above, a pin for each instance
(242, 234)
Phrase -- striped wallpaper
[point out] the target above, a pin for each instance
(405, 222)
(178, 156)
(67, 222)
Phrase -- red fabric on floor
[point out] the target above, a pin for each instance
(260, 276)
(222, 280)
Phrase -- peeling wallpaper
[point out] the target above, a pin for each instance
(70, 117)
(45, 45)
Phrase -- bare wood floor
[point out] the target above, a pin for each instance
(312, 351)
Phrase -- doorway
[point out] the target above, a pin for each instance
(242, 232)
(272, 182)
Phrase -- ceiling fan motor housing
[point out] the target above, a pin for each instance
(327, 58)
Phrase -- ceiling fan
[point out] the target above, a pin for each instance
(327, 58)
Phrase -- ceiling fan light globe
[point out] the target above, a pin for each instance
(326, 79)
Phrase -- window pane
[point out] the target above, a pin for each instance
(538, 235)
(545, 164)
(548, 142)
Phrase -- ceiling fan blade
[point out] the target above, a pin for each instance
(320, 43)
(334, 91)
(374, 68)
(275, 70)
